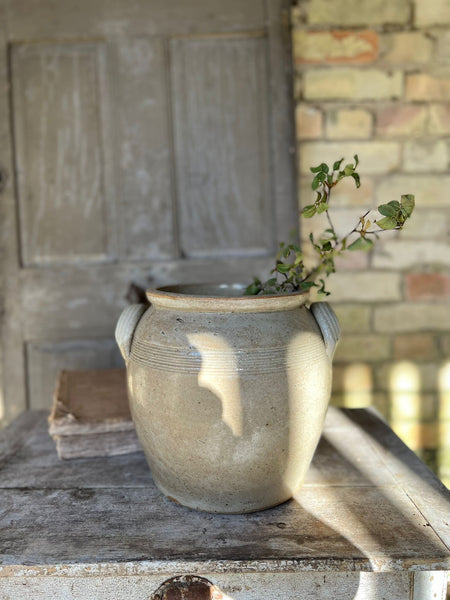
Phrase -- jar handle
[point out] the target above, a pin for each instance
(329, 325)
(126, 326)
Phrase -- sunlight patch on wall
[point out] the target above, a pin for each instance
(404, 385)
(357, 386)
(405, 403)
(443, 452)
(444, 392)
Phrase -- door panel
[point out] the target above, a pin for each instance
(219, 92)
(58, 122)
(152, 142)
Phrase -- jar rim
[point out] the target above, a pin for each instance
(221, 297)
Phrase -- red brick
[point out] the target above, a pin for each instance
(323, 47)
(427, 286)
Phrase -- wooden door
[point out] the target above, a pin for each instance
(142, 141)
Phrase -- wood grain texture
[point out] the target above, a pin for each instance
(11, 353)
(109, 18)
(46, 359)
(59, 141)
(107, 511)
(429, 495)
(146, 219)
(219, 95)
(86, 302)
(17, 434)
(90, 445)
(282, 133)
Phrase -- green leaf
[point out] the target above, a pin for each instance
(348, 170)
(337, 164)
(387, 223)
(322, 294)
(252, 290)
(330, 268)
(271, 282)
(309, 211)
(356, 160)
(361, 243)
(286, 252)
(318, 179)
(315, 183)
(282, 268)
(357, 179)
(408, 202)
(327, 246)
(306, 285)
(394, 204)
(323, 206)
(298, 259)
(322, 168)
(386, 210)
(322, 291)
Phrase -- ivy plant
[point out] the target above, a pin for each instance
(290, 274)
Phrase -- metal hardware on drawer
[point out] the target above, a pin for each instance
(187, 587)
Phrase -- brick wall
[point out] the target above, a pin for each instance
(373, 78)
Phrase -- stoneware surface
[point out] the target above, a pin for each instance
(228, 393)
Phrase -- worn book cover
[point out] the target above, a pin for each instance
(91, 416)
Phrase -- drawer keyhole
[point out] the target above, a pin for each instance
(187, 587)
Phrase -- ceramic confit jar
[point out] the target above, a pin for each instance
(228, 392)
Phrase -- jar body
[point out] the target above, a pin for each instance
(228, 406)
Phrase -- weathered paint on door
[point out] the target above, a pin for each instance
(145, 141)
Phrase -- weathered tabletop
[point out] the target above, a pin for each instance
(368, 505)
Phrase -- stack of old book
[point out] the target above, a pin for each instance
(91, 416)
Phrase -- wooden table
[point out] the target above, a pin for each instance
(371, 522)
